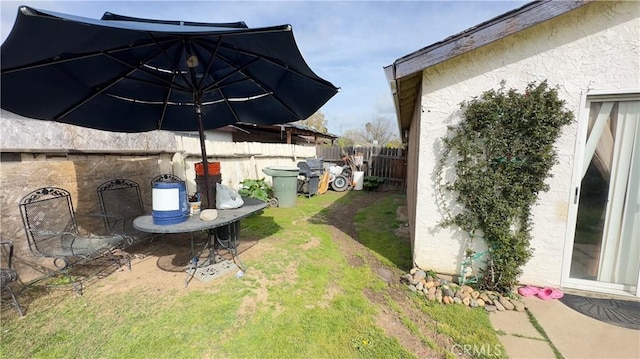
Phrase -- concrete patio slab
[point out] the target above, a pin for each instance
(520, 338)
(517, 347)
(574, 335)
(578, 336)
(514, 323)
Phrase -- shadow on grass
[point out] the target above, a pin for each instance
(171, 252)
(57, 281)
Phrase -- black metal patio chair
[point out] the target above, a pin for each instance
(120, 204)
(8, 274)
(52, 232)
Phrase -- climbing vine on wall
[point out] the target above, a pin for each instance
(498, 158)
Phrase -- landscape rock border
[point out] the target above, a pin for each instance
(438, 290)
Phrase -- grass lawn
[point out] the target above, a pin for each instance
(301, 297)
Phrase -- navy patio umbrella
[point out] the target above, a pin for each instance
(126, 74)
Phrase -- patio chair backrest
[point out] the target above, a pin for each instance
(120, 203)
(47, 215)
(166, 177)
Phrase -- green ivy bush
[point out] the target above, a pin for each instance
(499, 157)
(371, 183)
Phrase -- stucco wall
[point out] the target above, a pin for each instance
(596, 47)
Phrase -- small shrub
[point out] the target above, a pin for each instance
(371, 183)
(258, 189)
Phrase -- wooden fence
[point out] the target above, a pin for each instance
(387, 163)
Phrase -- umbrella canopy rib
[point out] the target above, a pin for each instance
(104, 87)
(211, 60)
(272, 61)
(60, 59)
(141, 67)
(230, 108)
(165, 105)
(99, 90)
(174, 61)
(261, 86)
(235, 71)
(48, 62)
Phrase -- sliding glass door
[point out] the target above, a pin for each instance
(605, 248)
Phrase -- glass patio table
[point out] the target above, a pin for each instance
(225, 229)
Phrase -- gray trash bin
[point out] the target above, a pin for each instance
(285, 184)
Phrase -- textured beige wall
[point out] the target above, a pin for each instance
(595, 47)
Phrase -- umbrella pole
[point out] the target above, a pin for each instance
(203, 150)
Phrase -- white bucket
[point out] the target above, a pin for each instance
(358, 179)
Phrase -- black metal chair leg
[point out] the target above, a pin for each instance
(193, 263)
(15, 301)
(8, 274)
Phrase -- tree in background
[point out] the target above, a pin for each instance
(394, 143)
(315, 121)
(344, 141)
(380, 132)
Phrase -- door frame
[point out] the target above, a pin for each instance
(576, 181)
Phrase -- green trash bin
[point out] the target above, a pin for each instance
(285, 184)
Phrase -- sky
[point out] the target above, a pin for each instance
(345, 42)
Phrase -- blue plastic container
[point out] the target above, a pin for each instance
(170, 204)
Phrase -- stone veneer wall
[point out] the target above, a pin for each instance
(80, 175)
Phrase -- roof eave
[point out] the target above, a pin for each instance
(405, 69)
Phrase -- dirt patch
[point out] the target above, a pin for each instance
(160, 266)
(388, 318)
(260, 295)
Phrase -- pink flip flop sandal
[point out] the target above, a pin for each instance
(545, 293)
(557, 294)
(549, 293)
(528, 291)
